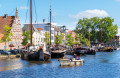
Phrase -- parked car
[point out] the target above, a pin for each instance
(18, 50)
(4, 52)
(13, 51)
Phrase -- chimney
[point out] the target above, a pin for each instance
(43, 20)
(5, 16)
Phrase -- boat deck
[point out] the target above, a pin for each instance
(67, 62)
(59, 51)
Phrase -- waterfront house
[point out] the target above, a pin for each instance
(59, 31)
(73, 34)
(114, 42)
(14, 22)
(37, 35)
(46, 27)
(42, 36)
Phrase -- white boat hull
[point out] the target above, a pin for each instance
(67, 62)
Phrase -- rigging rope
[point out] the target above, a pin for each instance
(35, 11)
(13, 11)
(27, 10)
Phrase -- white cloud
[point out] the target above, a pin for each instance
(24, 7)
(118, 0)
(90, 14)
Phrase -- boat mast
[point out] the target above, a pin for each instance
(101, 33)
(50, 22)
(31, 19)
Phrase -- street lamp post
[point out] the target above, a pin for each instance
(101, 33)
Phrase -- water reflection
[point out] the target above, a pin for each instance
(105, 61)
(101, 65)
(69, 66)
(17, 63)
(10, 64)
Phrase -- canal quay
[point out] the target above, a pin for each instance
(101, 65)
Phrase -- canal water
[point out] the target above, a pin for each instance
(101, 65)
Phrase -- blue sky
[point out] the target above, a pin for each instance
(64, 12)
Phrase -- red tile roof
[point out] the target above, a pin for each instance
(70, 32)
(6, 21)
(39, 29)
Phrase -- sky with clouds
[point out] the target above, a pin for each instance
(64, 12)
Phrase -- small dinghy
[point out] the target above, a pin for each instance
(73, 62)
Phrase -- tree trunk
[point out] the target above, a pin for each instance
(5, 45)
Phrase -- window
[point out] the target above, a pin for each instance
(41, 40)
(52, 38)
(52, 32)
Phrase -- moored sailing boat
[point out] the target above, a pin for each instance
(34, 52)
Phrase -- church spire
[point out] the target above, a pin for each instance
(16, 12)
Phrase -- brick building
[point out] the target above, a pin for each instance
(14, 22)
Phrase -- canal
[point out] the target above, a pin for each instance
(101, 65)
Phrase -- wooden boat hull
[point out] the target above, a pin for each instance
(80, 52)
(106, 49)
(57, 54)
(35, 56)
(91, 52)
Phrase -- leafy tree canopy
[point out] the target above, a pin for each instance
(59, 38)
(47, 38)
(27, 37)
(80, 39)
(69, 40)
(95, 25)
(7, 34)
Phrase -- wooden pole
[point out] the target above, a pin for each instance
(50, 29)
(89, 38)
(101, 33)
(50, 22)
(31, 20)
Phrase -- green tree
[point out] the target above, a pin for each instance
(7, 34)
(47, 38)
(58, 39)
(108, 29)
(69, 40)
(80, 39)
(27, 37)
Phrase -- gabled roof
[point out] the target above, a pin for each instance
(6, 21)
(57, 29)
(69, 31)
(39, 29)
(28, 27)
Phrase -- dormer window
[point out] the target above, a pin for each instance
(5, 16)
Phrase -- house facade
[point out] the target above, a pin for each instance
(37, 36)
(14, 22)
(73, 34)
(45, 26)
(114, 42)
